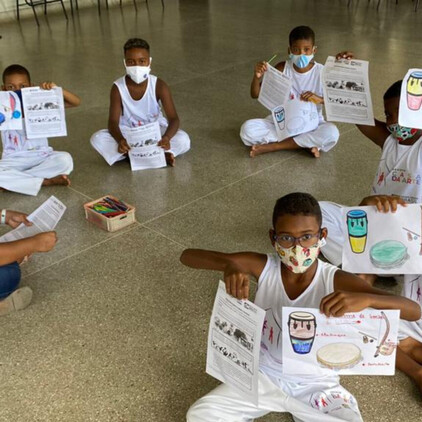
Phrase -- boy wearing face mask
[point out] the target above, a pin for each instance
(292, 276)
(28, 164)
(261, 134)
(136, 100)
(397, 182)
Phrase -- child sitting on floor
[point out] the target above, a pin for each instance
(136, 100)
(28, 164)
(12, 254)
(261, 134)
(292, 276)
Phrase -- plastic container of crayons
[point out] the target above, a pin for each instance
(109, 213)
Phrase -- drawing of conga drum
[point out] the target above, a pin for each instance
(414, 91)
(280, 117)
(302, 327)
(357, 227)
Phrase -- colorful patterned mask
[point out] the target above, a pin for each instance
(297, 258)
(401, 133)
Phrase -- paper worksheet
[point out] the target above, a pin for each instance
(44, 112)
(44, 219)
(410, 111)
(10, 111)
(360, 343)
(144, 152)
(383, 243)
(295, 117)
(347, 96)
(234, 339)
(275, 88)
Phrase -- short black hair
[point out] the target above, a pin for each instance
(15, 68)
(135, 43)
(297, 203)
(301, 33)
(394, 90)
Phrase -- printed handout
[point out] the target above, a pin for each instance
(234, 339)
(295, 117)
(347, 96)
(410, 111)
(383, 243)
(142, 158)
(144, 152)
(361, 343)
(44, 219)
(10, 111)
(44, 112)
(275, 88)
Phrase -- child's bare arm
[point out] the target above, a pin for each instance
(377, 134)
(164, 95)
(237, 267)
(70, 99)
(12, 251)
(352, 294)
(114, 114)
(260, 69)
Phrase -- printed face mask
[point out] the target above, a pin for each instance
(401, 133)
(301, 60)
(297, 258)
(138, 74)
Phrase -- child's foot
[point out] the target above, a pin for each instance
(58, 180)
(262, 149)
(315, 152)
(170, 159)
(16, 301)
(418, 380)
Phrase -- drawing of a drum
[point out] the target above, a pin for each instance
(302, 327)
(357, 227)
(414, 91)
(280, 117)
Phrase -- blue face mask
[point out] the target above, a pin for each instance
(301, 60)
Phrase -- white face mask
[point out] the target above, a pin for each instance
(138, 74)
(297, 258)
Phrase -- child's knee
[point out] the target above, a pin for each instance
(194, 413)
(247, 132)
(10, 276)
(65, 162)
(333, 132)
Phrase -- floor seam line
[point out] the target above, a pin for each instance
(135, 226)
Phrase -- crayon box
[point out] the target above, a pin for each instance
(110, 224)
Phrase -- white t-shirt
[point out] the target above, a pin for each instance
(412, 289)
(400, 171)
(271, 296)
(140, 112)
(15, 142)
(302, 82)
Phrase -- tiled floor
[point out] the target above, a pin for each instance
(117, 327)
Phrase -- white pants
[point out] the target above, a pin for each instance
(24, 173)
(311, 401)
(106, 145)
(262, 131)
